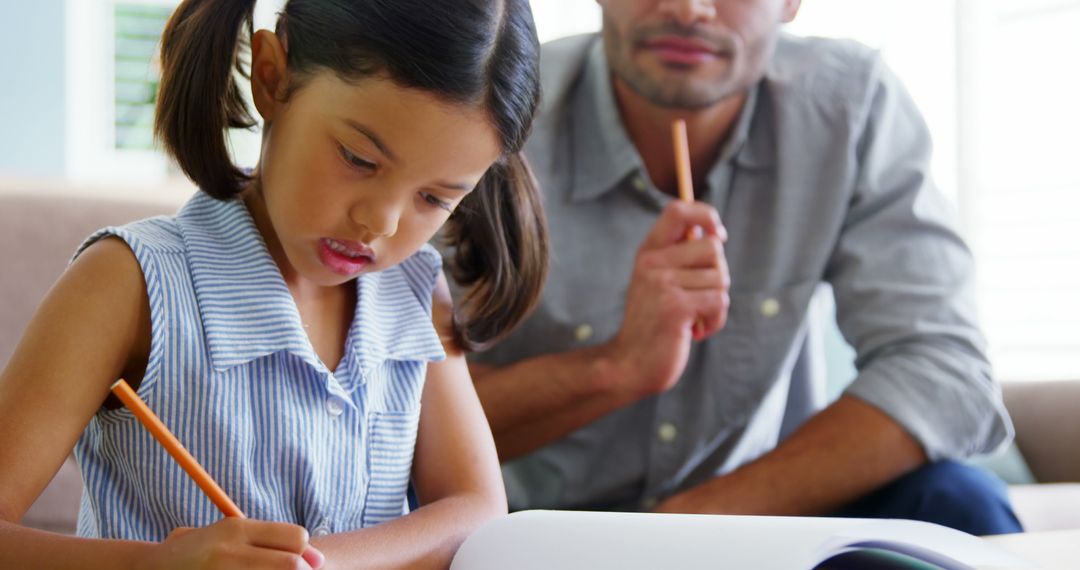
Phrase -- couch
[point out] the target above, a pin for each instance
(39, 233)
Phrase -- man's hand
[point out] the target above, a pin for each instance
(674, 284)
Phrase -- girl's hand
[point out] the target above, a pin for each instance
(236, 543)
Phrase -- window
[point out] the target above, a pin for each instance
(560, 18)
(111, 81)
(1019, 139)
(137, 32)
(111, 76)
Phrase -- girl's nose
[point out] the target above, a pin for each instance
(689, 12)
(376, 219)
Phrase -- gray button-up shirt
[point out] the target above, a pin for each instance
(824, 179)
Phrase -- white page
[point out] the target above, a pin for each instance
(565, 540)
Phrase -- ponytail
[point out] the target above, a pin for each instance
(198, 97)
(500, 244)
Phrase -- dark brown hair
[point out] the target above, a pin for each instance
(463, 51)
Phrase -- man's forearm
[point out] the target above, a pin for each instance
(843, 453)
(537, 401)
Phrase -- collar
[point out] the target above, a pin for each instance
(248, 312)
(602, 152)
(604, 155)
(393, 313)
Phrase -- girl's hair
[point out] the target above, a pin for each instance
(474, 52)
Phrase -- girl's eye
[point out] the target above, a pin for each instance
(355, 161)
(434, 201)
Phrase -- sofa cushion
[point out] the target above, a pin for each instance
(1047, 427)
(38, 235)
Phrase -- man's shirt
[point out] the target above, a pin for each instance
(824, 178)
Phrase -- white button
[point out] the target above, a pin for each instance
(583, 332)
(667, 432)
(770, 308)
(334, 407)
(320, 531)
(639, 184)
(649, 503)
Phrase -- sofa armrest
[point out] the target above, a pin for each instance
(1047, 427)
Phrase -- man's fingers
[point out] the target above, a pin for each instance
(678, 218)
(707, 253)
(701, 279)
(711, 312)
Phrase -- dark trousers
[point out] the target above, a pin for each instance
(947, 493)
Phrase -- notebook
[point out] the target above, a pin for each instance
(570, 540)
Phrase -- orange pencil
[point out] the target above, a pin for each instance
(686, 183)
(175, 449)
(682, 166)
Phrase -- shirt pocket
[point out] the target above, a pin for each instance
(391, 442)
(751, 349)
(554, 328)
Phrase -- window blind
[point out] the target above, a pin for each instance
(137, 32)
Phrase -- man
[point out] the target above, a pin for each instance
(817, 162)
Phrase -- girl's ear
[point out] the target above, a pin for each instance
(269, 72)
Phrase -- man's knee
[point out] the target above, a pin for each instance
(957, 495)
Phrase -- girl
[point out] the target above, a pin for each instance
(289, 323)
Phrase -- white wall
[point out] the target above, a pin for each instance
(32, 112)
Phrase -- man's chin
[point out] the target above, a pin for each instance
(690, 93)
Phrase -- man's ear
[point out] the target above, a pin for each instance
(269, 72)
(791, 9)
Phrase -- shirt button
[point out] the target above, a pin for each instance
(770, 308)
(334, 407)
(583, 332)
(667, 432)
(321, 531)
(639, 184)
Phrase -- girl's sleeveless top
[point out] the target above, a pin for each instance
(233, 375)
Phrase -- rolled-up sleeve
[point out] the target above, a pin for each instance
(903, 280)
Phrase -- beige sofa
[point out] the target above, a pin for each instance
(38, 235)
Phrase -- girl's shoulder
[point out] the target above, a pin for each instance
(160, 234)
(155, 235)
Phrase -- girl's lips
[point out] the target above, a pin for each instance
(346, 258)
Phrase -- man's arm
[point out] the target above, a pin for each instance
(674, 283)
(841, 454)
(536, 401)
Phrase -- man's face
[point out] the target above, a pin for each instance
(691, 54)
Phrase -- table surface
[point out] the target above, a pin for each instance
(1052, 550)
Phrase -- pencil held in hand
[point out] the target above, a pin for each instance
(686, 185)
(682, 169)
(175, 449)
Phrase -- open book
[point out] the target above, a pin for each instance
(570, 540)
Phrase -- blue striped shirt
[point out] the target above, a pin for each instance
(232, 373)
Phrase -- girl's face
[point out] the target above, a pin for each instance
(356, 176)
